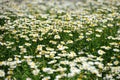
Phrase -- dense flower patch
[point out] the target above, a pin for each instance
(60, 40)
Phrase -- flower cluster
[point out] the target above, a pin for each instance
(60, 40)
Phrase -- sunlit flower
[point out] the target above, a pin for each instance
(116, 62)
(23, 50)
(2, 73)
(72, 54)
(27, 44)
(57, 40)
(88, 39)
(101, 52)
(116, 50)
(52, 62)
(28, 78)
(53, 42)
(60, 47)
(99, 30)
(56, 37)
(35, 71)
(106, 47)
(81, 37)
(49, 49)
(10, 72)
(48, 70)
(32, 64)
(39, 47)
(69, 41)
(97, 35)
(46, 78)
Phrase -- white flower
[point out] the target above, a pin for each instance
(100, 66)
(48, 70)
(23, 50)
(52, 62)
(116, 62)
(39, 47)
(88, 39)
(53, 42)
(70, 34)
(32, 64)
(81, 37)
(72, 54)
(71, 74)
(10, 72)
(100, 59)
(38, 56)
(27, 44)
(35, 72)
(2, 73)
(60, 47)
(116, 50)
(106, 47)
(81, 52)
(101, 52)
(46, 78)
(97, 35)
(28, 79)
(98, 30)
(75, 70)
(2, 63)
(49, 49)
(61, 69)
(69, 42)
(56, 37)
(58, 77)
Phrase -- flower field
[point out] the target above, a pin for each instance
(59, 39)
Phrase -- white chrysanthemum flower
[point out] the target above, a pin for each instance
(69, 42)
(81, 37)
(116, 50)
(60, 47)
(53, 42)
(32, 64)
(27, 44)
(28, 78)
(70, 34)
(71, 74)
(39, 47)
(72, 54)
(56, 37)
(58, 77)
(88, 39)
(100, 65)
(100, 59)
(106, 47)
(115, 70)
(97, 35)
(2, 63)
(52, 62)
(46, 78)
(10, 72)
(75, 70)
(113, 44)
(23, 50)
(99, 30)
(116, 62)
(2, 73)
(49, 49)
(48, 70)
(101, 52)
(35, 71)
